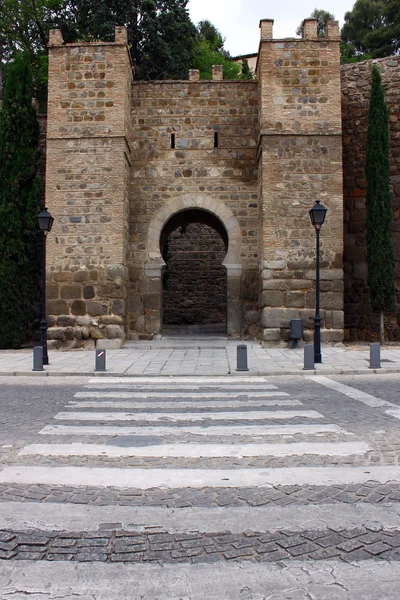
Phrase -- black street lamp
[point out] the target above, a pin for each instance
(317, 216)
(45, 221)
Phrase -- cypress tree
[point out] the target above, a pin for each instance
(380, 253)
(19, 204)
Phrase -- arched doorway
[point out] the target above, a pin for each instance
(193, 244)
(226, 221)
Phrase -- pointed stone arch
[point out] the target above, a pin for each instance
(155, 264)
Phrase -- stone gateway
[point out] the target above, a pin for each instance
(184, 203)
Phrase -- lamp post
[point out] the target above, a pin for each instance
(45, 221)
(317, 216)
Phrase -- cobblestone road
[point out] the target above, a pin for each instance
(197, 447)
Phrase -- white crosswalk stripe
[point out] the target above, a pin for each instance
(220, 430)
(256, 415)
(198, 450)
(195, 395)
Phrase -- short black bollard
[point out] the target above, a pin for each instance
(309, 357)
(100, 360)
(37, 359)
(242, 358)
(375, 356)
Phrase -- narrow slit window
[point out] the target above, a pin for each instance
(172, 140)
(216, 140)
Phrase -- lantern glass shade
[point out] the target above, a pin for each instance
(317, 214)
(45, 220)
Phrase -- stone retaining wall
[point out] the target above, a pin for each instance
(360, 321)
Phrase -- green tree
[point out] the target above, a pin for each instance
(380, 254)
(204, 57)
(372, 28)
(209, 50)
(207, 31)
(160, 32)
(322, 16)
(19, 204)
(246, 73)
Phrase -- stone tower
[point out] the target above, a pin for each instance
(132, 163)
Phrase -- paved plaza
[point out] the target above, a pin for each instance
(202, 355)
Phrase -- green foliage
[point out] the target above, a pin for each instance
(372, 28)
(19, 204)
(24, 26)
(322, 17)
(160, 32)
(207, 31)
(247, 73)
(380, 254)
(348, 54)
(209, 50)
(204, 57)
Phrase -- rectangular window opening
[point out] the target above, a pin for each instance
(172, 140)
(216, 139)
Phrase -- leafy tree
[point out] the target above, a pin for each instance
(322, 16)
(209, 50)
(246, 73)
(160, 32)
(372, 28)
(380, 254)
(204, 57)
(19, 204)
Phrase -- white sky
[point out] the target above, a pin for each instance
(238, 20)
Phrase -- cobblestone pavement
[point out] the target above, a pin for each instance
(132, 546)
(332, 440)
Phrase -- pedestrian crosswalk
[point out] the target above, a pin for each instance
(186, 418)
(217, 448)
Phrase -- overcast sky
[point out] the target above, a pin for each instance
(238, 20)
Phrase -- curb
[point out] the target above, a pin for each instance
(250, 373)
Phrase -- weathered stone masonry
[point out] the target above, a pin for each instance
(129, 161)
(299, 162)
(360, 321)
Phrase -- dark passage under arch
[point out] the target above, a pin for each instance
(193, 245)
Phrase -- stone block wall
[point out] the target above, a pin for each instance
(87, 175)
(194, 280)
(214, 127)
(300, 162)
(360, 321)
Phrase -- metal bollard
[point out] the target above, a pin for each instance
(100, 360)
(375, 356)
(242, 358)
(37, 359)
(308, 357)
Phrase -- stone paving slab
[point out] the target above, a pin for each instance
(199, 357)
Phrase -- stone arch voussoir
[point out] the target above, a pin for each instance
(219, 209)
